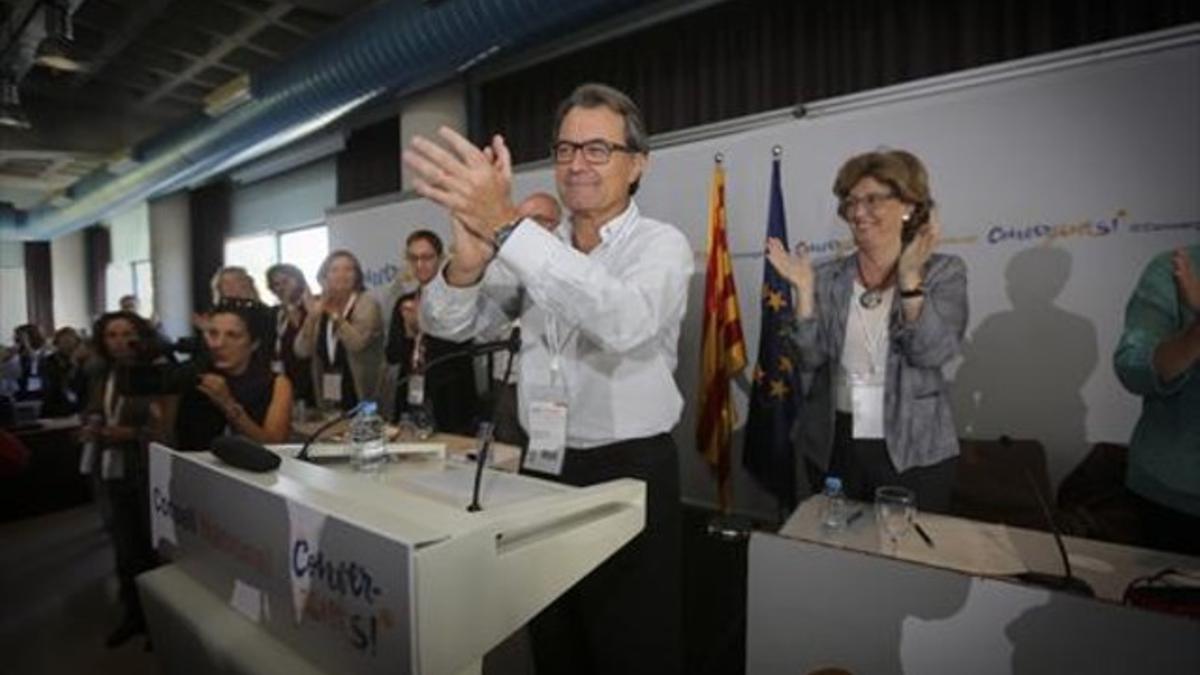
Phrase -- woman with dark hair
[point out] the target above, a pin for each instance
(875, 328)
(342, 334)
(117, 431)
(288, 284)
(65, 379)
(238, 393)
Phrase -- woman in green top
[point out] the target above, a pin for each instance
(1158, 359)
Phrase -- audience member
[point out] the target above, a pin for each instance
(342, 334)
(288, 284)
(115, 436)
(237, 393)
(448, 389)
(1158, 358)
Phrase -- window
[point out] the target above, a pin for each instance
(134, 278)
(12, 301)
(305, 248)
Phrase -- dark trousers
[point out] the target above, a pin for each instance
(864, 464)
(626, 616)
(125, 510)
(1166, 529)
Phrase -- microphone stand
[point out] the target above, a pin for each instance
(489, 428)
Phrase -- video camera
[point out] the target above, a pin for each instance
(158, 370)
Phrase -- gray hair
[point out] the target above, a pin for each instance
(596, 95)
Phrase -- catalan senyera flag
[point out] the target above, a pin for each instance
(723, 349)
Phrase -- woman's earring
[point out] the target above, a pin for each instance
(907, 217)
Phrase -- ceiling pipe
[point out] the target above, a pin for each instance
(381, 50)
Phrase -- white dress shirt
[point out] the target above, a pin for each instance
(615, 312)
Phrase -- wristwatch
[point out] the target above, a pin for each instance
(504, 232)
(918, 292)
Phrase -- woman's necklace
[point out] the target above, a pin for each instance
(872, 297)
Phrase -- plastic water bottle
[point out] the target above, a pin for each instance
(833, 517)
(366, 436)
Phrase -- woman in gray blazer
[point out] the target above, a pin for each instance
(873, 330)
(342, 334)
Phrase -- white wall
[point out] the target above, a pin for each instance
(1047, 175)
(68, 263)
(170, 249)
(13, 311)
(424, 113)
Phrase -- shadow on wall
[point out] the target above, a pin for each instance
(1023, 370)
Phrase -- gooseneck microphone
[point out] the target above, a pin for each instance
(1066, 582)
(510, 344)
(489, 427)
(244, 453)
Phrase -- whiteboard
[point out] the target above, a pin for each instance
(1058, 179)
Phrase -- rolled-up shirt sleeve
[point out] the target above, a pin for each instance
(459, 314)
(936, 335)
(619, 312)
(1151, 316)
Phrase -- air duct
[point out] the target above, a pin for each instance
(384, 49)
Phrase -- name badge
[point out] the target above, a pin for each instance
(112, 464)
(331, 387)
(866, 399)
(416, 390)
(277, 366)
(547, 437)
(33, 383)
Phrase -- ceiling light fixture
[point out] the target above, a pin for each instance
(11, 114)
(56, 51)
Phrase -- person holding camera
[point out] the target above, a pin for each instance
(875, 329)
(118, 427)
(235, 392)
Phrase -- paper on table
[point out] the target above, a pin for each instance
(455, 482)
(964, 545)
(344, 450)
(247, 600)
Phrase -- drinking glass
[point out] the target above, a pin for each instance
(895, 509)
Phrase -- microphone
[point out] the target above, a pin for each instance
(1066, 582)
(514, 346)
(344, 415)
(511, 344)
(244, 453)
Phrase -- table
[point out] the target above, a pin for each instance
(816, 599)
(52, 480)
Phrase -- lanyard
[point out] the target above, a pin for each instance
(112, 402)
(331, 334)
(281, 325)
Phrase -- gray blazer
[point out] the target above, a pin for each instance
(918, 424)
(362, 336)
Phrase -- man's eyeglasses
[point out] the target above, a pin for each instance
(597, 151)
(872, 202)
(427, 257)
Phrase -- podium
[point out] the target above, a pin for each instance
(319, 569)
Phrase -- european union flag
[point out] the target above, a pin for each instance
(775, 397)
